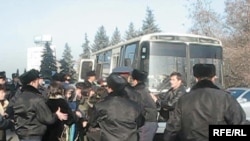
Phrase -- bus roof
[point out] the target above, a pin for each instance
(170, 37)
(190, 38)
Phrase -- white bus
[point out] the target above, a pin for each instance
(159, 54)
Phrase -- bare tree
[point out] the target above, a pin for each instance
(233, 28)
(205, 21)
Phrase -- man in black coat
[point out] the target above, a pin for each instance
(31, 112)
(204, 105)
(117, 116)
(148, 130)
(90, 78)
(126, 72)
(169, 99)
(15, 85)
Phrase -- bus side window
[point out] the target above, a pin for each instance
(129, 54)
(98, 71)
(86, 67)
(127, 62)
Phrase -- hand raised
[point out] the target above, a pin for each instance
(61, 116)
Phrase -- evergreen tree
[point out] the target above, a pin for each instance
(101, 39)
(48, 63)
(86, 48)
(116, 38)
(131, 32)
(149, 25)
(67, 63)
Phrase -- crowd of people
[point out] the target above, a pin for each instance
(121, 108)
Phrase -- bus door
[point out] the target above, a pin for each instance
(102, 70)
(86, 65)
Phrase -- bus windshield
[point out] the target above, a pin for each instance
(165, 58)
(207, 54)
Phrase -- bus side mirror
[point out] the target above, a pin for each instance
(144, 52)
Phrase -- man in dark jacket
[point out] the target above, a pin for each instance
(117, 116)
(148, 130)
(169, 99)
(30, 110)
(204, 105)
(126, 72)
(90, 78)
(14, 86)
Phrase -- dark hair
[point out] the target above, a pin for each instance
(85, 91)
(177, 74)
(101, 92)
(85, 88)
(65, 77)
(80, 85)
(57, 77)
(55, 88)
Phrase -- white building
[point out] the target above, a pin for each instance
(34, 54)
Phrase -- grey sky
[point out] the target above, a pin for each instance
(68, 21)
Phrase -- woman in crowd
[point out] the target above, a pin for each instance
(56, 99)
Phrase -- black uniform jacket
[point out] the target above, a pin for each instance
(31, 113)
(168, 102)
(147, 102)
(118, 117)
(206, 104)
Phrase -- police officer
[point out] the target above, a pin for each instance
(117, 116)
(148, 130)
(204, 105)
(31, 112)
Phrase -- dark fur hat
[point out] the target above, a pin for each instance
(91, 73)
(116, 82)
(57, 77)
(204, 70)
(29, 76)
(139, 75)
(14, 75)
(2, 74)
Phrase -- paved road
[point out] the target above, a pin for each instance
(11, 136)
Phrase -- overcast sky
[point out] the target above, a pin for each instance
(68, 20)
